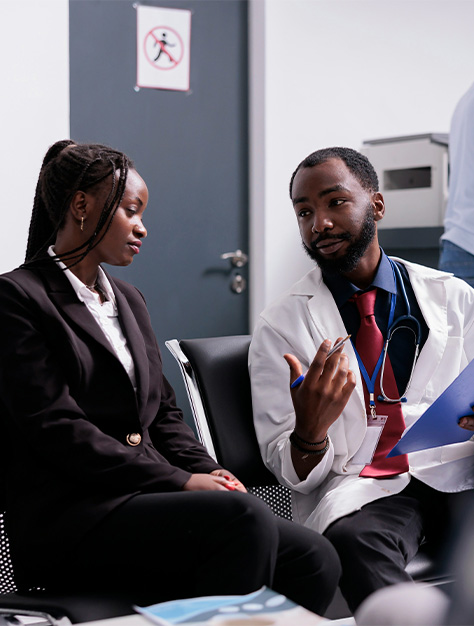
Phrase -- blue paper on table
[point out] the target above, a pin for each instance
(263, 606)
(438, 426)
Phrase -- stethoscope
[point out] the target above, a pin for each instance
(393, 327)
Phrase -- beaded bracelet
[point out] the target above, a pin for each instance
(306, 452)
(309, 443)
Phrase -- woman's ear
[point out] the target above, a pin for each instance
(78, 206)
(378, 205)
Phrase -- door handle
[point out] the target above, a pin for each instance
(237, 258)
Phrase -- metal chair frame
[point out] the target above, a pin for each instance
(194, 396)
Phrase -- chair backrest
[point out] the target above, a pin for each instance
(216, 375)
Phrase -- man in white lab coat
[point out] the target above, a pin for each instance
(316, 436)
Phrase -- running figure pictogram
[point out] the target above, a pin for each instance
(162, 43)
(164, 47)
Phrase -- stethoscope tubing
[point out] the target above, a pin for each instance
(393, 325)
(390, 331)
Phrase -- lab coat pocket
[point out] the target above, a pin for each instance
(456, 451)
(453, 361)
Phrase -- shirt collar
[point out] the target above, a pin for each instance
(342, 289)
(83, 293)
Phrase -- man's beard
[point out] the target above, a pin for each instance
(355, 251)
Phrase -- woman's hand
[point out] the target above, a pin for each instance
(213, 482)
(232, 480)
(321, 397)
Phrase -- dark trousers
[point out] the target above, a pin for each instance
(376, 543)
(175, 545)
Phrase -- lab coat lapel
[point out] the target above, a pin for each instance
(328, 323)
(325, 314)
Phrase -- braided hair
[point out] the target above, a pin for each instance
(69, 167)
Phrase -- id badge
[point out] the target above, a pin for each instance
(365, 454)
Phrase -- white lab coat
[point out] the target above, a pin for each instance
(297, 323)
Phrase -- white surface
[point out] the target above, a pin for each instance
(410, 604)
(323, 72)
(126, 620)
(338, 72)
(34, 74)
(138, 620)
(416, 207)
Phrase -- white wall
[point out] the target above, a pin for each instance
(338, 72)
(34, 79)
(323, 72)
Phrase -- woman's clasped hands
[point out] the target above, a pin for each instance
(218, 480)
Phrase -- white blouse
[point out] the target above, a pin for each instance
(105, 314)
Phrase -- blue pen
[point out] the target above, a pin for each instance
(297, 382)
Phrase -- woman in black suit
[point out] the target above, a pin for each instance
(106, 487)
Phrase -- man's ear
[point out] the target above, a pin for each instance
(378, 206)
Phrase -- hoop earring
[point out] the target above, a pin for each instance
(82, 223)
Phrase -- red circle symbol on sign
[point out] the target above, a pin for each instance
(164, 48)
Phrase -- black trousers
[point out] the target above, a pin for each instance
(376, 543)
(175, 545)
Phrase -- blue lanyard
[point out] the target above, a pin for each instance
(370, 380)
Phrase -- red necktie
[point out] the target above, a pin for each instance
(369, 344)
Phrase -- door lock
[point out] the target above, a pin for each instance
(238, 284)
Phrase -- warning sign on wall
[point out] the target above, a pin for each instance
(163, 48)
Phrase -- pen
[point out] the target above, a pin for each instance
(337, 346)
(300, 379)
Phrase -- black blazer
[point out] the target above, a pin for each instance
(66, 408)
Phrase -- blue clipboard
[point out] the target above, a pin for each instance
(438, 426)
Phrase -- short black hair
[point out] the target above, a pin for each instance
(356, 162)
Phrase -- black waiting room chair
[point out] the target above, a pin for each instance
(215, 373)
(218, 387)
(42, 607)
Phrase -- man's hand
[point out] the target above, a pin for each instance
(318, 402)
(324, 392)
(467, 421)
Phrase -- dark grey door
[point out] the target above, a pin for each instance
(191, 149)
